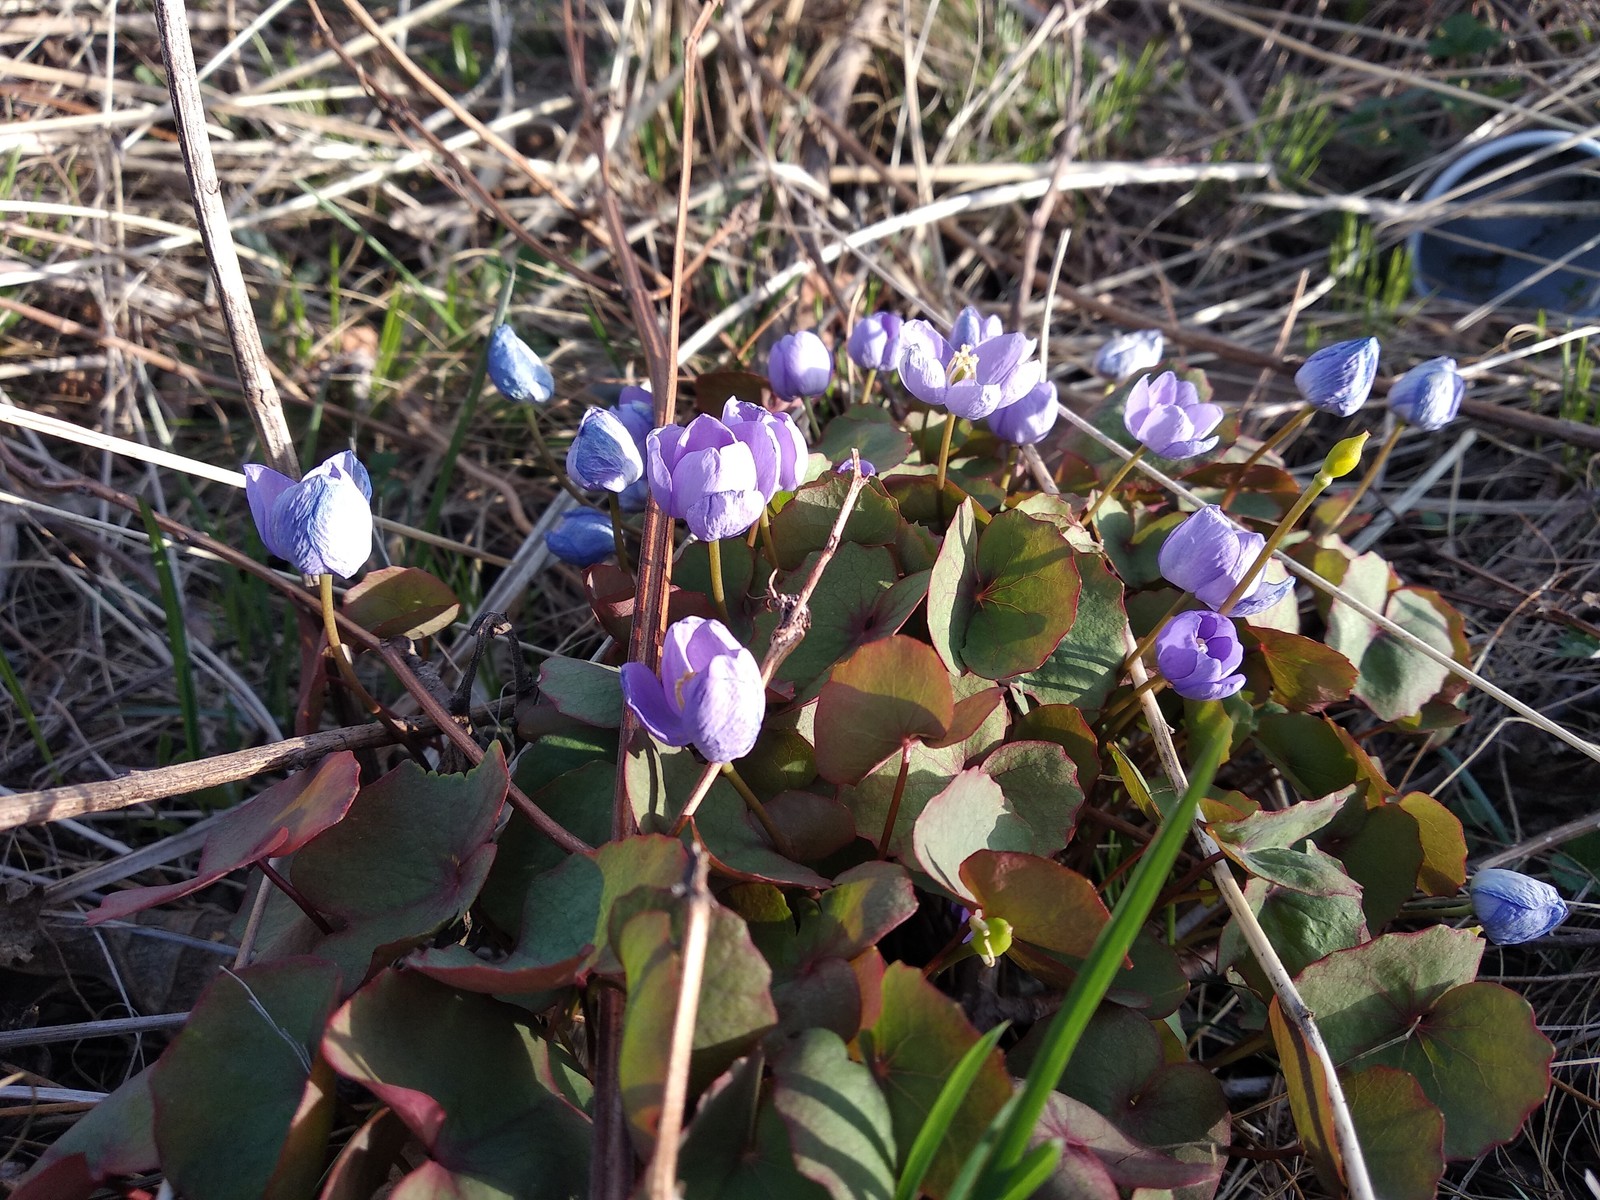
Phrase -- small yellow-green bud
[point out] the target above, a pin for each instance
(1345, 457)
(991, 937)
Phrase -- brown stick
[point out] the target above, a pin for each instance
(250, 356)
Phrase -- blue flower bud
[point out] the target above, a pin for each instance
(582, 537)
(799, 365)
(1125, 355)
(516, 370)
(875, 342)
(1514, 908)
(1338, 379)
(968, 329)
(323, 523)
(603, 455)
(1429, 394)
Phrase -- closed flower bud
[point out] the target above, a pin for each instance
(582, 537)
(603, 455)
(1166, 415)
(709, 691)
(516, 370)
(968, 329)
(799, 365)
(1514, 908)
(636, 409)
(1208, 555)
(1030, 419)
(1429, 395)
(1344, 457)
(875, 342)
(1125, 355)
(847, 468)
(1198, 653)
(323, 523)
(1338, 379)
(775, 442)
(706, 477)
(969, 382)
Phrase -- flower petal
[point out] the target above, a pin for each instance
(643, 693)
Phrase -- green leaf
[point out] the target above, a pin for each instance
(1394, 680)
(1401, 1134)
(1460, 36)
(864, 904)
(115, 1137)
(838, 1120)
(1024, 600)
(1444, 847)
(1306, 675)
(275, 822)
(1300, 926)
(952, 585)
(462, 1071)
(969, 815)
(240, 1074)
(918, 1041)
(929, 772)
(883, 696)
(943, 1113)
(1065, 726)
(1278, 829)
(1403, 1000)
(738, 1147)
(869, 429)
(409, 858)
(1383, 853)
(1097, 1157)
(1308, 750)
(1048, 905)
(802, 525)
(585, 691)
(1087, 663)
(401, 602)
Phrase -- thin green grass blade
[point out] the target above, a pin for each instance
(20, 698)
(978, 1160)
(177, 634)
(1209, 732)
(937, 1122)
(1032, 1171)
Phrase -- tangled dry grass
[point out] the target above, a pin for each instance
(1245, 172)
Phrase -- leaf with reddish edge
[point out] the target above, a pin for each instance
(363, 1166)
(1302, 927)
(1403, 1000)
(970, 714)
(1047, 904)
(409, 858)
(401, 602)
(1086, 665)
(1097, 1157)
(1444, 845)
(1026, 597)
(738, 846)
(1278, 829)
(928, 772)
(586, 691)
(1307, 676)
(916, 1042)
(737, 1147)
(611, 597)
(815, 826)
(277, 821)
(115, 1137)
(1308, 750)
(1309, 1101)
(885, 695)
(1383, 854)
(461, 1071)
(805, 522)
(838, 1121)
(1064, 725)
(244, 1073)
(952, 585)
(735, 1011)
(864, 904)
(1400, 1132)
(866, 428)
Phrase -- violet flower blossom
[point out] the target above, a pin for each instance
(970, 380)
(1166, 415)
(799, 365)
(636, 409)
(1199, 653)
(323, 523)
(707, 476)
(1338, 379)
(874, 343)
(775, 441)
(1028, 421)
(1513, 908)
(1429, 394)
(1208, 555)
(709, 692)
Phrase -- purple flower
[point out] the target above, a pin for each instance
(973, 329)
(1030, 419)
(1513, 908)
(867, 469)
(971, 381)
(1125, 355)
(1429, 394)
(516, 370)
(775, 442)
(875, 342)
(323, 524)
(709, 692)
(1169, 419)
(1208, 555)
(1198, 652)
(706, 476)
(636, 409)
(799, 365)
(1337, 379)
(582, 537)
(603, 455)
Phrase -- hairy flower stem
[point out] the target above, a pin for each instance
(866, 387)
(753, 803)
(708, 776)
(1113, 722)
(768, 545)
(714, 554)
(944, 462)
(618, 534)
(894, 801)
(1331, 524)
(1284, 433)
(347, 672)
(1111, 484)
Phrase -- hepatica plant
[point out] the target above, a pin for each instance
(916, 699)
